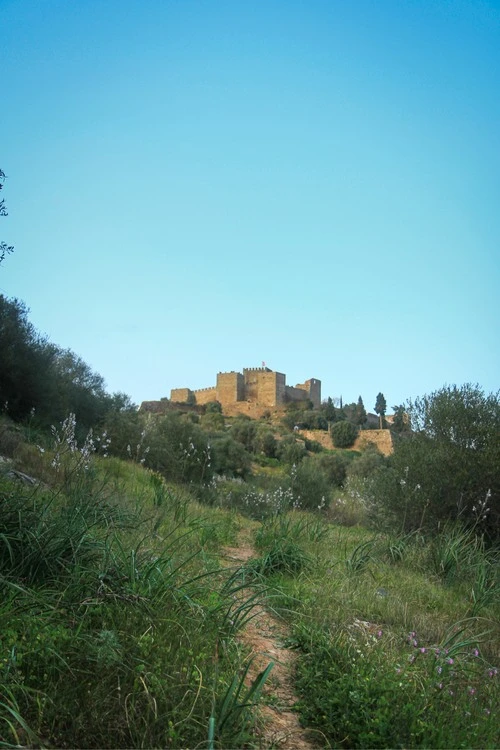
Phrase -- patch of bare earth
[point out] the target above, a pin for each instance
(264, 636)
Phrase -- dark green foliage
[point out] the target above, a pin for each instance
(360, 413)
(328, 410)
(283, 556)
(343, 434)
(265, 442)
(401, 421)
(230, 457)
(125, 427)
(213, 422)
(4, 248)
(311, 484)
(291, 451)
(313, 446)
(178, 449)
(449, 468)
(38, 378)
(25, 372)
(334, 466)
(367, 464)
(213, 407)
(244, 430)
(381, 408)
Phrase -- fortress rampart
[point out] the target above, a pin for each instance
(257, 386)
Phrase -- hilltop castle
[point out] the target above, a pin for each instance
(255, 390)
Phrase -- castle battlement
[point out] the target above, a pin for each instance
(259, 386)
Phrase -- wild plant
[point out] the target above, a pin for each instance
(485, 587)
(283, 556)
(292, 527)
(399, 547)
(238, 699)
(361, 556)
(363, 687)
(452, 551)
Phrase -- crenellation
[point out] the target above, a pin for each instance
(258, 386)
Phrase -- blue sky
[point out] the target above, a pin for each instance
(197, 186)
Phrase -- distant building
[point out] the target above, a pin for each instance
(255, 389)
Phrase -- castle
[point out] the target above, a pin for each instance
(255, 390)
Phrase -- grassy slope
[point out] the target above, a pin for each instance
(118, 626)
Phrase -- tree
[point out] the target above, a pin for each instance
(343, 434)
(401, 421)
(381, 408)
(448, 468)
(360, 413)
(26, 362)
(4, 248)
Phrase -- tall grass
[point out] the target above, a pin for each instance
(393, 652)
(110, 636)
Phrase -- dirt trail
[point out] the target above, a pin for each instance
(264, 634)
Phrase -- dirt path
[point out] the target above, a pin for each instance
(264, 635)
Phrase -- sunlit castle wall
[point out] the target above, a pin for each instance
(314, 388)
(230, 387)
(182, 395)
(311, 390)
(263, 386)
(205, 395)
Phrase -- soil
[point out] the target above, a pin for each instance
(264, 636)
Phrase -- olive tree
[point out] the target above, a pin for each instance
(448, 467)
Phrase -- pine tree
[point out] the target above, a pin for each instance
(360, 412)
(381, 408)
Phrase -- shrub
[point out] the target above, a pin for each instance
(367, 464)
(244, 430)
(449, 469)
(310, 485)
(334, 466)
(291, 451)
(343, 434)
(230, 457)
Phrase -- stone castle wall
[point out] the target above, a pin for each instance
(257, 385)
(205, 395)
(230, 387)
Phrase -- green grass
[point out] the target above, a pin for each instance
(118, 623)
(392, 652)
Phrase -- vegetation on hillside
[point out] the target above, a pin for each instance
(120, 621)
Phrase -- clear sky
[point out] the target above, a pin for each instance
(198, 186)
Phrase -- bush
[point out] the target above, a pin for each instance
(291, 451)
(310, 485)
(244, 430)
(449, 469)
(265, 442)
(343, 434)
(178, 449)
(333, 466)
(367, 464)
(230, 457)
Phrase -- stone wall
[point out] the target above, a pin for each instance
(182, 395)
(230, 387)
(257, 385)
(382, 439)
(264, 387)
(205, 395)
(296, 393)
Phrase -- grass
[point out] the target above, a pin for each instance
(110, 636)
(392, 652)
(119, 624)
